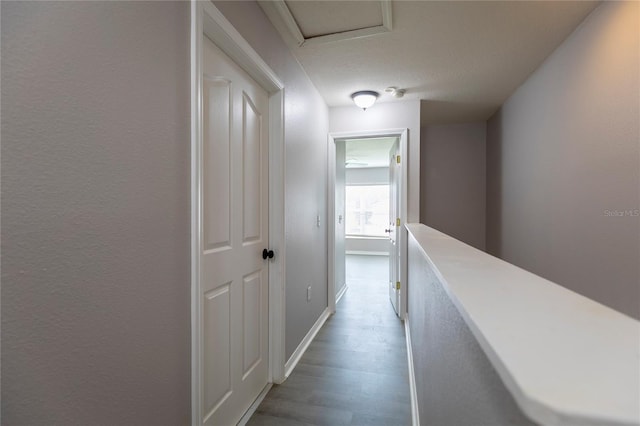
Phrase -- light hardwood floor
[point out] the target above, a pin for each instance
(355, 371)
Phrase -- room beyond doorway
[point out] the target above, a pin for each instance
(367, 206)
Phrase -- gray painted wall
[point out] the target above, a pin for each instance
(95, 213)
(453, 177)
(368, 175)
(563, 154)
(373, 246)
(306, 128)
(455, 382)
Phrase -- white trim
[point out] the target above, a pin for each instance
(415, 412)
(365, 237)
(331, 219)
(231, 42)
(341, 293)
(284, 21)
(247, 415)
(387, 15)
(367, 253)
(281, 8)
(402, 135)
(207, 20)
(367, 183)
(302, 347)
(277, 283)
(196, 137)
(346, 35)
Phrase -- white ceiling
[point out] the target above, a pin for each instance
(463, 59)
(372, 152)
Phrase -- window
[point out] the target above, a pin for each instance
(367, 210)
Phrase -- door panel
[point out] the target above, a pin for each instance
(234, 277)
(251, 153)
(251, 297)
(217, 384)
(216, 105)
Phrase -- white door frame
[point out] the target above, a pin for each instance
(208, 20)
(402, 135)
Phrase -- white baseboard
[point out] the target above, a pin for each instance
(341, 293)
(302, 347)
(368, 253)
(245, 418)
(415, 413)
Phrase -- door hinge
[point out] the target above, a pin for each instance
(397, 285)
(398, 159)
(398, 222)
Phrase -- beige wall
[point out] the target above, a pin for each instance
(95, 213)
(452, 180)
(306, 128)
(363, 245)
(563, 157)
(367, 175)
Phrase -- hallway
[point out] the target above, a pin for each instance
(355, 370)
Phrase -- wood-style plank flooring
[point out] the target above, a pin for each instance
(355, 371)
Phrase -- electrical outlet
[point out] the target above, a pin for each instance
(309, 294)
(318, 221)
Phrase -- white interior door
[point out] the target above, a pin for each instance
(393, 230)
(234, 300)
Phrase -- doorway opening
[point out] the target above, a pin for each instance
(367, 210)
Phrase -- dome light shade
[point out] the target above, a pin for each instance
(364, 98)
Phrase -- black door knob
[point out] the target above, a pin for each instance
(267, 253)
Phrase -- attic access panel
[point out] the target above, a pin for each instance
(310, 22)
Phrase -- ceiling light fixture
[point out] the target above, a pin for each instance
(364, 98)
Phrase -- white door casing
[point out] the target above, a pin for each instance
(339, 224)
(212, 237)
(393, 229)
(403, 136)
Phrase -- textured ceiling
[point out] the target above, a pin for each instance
(462, 59)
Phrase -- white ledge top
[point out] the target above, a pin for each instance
(566, 359)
